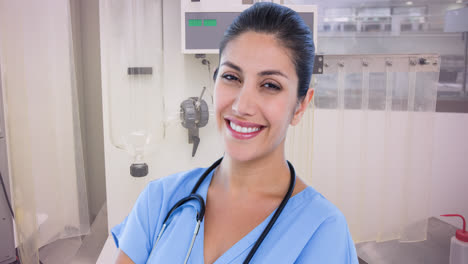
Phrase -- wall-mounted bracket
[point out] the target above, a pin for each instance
(194, 114)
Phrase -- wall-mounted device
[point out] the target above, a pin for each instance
(194, 115)
(204, 22)
(132, 78)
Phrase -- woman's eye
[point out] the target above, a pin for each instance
(230, 77)
(272, 86)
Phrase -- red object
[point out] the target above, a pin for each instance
(461, 234)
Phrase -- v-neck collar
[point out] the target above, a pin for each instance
(244, 243)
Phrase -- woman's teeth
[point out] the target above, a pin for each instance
(243, 129)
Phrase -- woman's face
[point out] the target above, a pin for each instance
(255, 96)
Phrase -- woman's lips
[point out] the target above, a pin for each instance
(243, 130)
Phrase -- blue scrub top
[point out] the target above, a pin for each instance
(309, 230)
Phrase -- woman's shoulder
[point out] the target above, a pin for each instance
(314, 212)
(320, 230)
(312, 229)
(315, 205)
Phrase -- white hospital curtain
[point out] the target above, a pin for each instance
(367, 145)
(43, 129)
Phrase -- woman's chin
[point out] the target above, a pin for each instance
(239, 154)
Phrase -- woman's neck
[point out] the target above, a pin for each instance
(268, 175)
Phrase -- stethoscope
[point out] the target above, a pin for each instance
(201, 213)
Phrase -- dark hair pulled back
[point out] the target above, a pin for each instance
(288, 28)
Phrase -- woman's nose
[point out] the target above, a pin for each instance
(245, 101)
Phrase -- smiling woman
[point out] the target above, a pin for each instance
(257, 210)
(256, 88)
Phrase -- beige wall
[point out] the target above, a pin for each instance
(449, 179)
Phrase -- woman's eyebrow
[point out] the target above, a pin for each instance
(272, 72)
(262, 73)
(232, 65)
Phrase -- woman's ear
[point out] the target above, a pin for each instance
(302, 107)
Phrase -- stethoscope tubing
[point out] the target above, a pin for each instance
(283, 203)
(201, 214)
(205, 174)
(192, 196)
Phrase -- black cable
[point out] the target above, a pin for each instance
(18, 259)
(6, 196)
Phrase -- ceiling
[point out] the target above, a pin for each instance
(355, 3)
